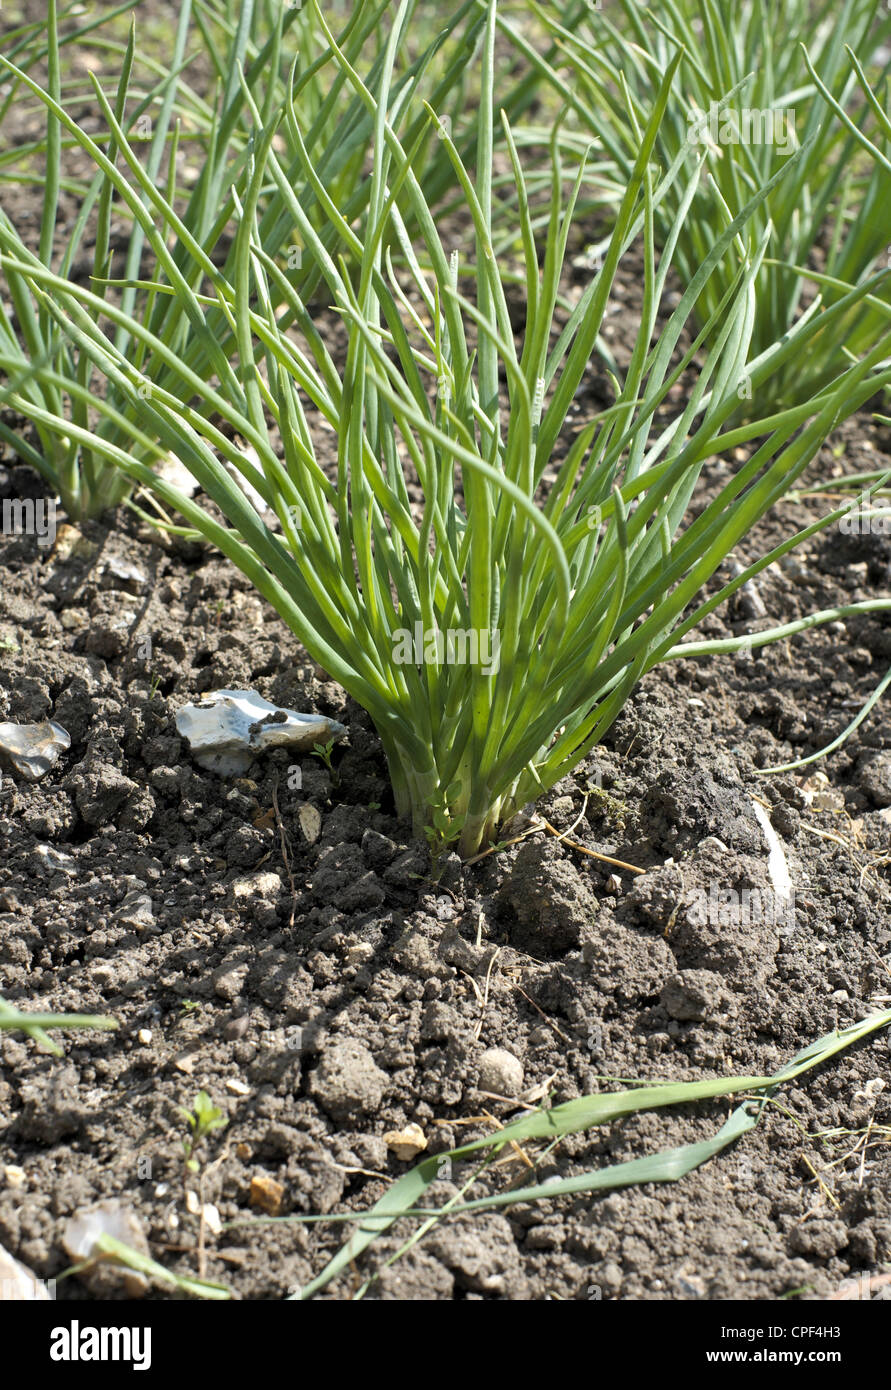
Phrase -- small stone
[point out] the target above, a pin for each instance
(406, 1143)
(263, 885)
(310, 822)
(15, 1176)
(266, 1193)
(185, 1062)
(83, 1232)
(136, 911)
(71, 544)
(17, 1282)
(379, 851)
(500, 1072)
(74, 619)
(691, 1285)
(238, 1088)
(818, 793)
(144, 1036)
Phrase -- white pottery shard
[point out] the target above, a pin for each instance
(228, 728)
(83, 1232)
(18, 1284)
(32, 749)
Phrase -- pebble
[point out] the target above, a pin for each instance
(18, 1284)
(144, 1036)
(74, 619)
(266, 1193)
(406, 1143)
(212, 1219)
(136, 911)
(310, 822)
(500, 1072)
(71, 544)
(81, 1232)
(228, 981)
(263, 885)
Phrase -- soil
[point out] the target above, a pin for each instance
(327, 991)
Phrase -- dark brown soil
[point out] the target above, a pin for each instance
(133, 883)
(326, 993)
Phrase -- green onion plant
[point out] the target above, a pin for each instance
(290, 66)
(745, 101)
(487, 583)
(65, 390)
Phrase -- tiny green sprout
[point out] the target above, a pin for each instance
(8, 644)
(202, 1119)
(153, 688)
(188, 1006)
(324, 751)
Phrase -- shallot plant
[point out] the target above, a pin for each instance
(489, 581)
(252, 51)
(29, 335)
(290, 66)
(747, 99)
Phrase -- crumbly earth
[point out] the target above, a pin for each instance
(326, 991)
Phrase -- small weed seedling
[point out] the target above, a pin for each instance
(324, 751)
(202, 1119)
